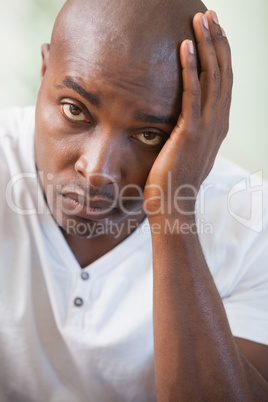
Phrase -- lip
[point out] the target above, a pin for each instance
(87, 208)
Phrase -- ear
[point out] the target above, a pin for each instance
(45, 57)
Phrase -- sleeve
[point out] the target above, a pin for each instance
(237, 250)
(247, 306)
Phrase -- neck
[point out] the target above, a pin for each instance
(88, 250)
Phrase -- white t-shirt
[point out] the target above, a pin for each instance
(73, 335)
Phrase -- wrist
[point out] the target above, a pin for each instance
(173, 225)
(169, 202)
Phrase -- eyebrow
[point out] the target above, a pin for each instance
(155, 119)
(89, 96)
(95, 101)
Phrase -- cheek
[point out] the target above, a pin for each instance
(138, 175)
(141, 166)
(52, 144)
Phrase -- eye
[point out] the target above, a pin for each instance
(150, 138)
(73, 112)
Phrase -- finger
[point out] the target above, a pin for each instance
(191, 97)
(223, 54)
(210, 77)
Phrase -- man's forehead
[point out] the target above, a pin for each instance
(155, 86)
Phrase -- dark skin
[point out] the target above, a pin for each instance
(92, 144)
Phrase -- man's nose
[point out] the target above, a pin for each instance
(100, 162)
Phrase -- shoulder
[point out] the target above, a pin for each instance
(233, 210)
(226, 173)
(234, 205)
(16, 121)
(17, 126)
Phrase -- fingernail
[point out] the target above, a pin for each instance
(223, 32)
(205, 21)
(190, 46)
(215, 18)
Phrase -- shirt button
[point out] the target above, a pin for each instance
(85, 276)
(78, 302)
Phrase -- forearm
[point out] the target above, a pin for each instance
(196, 357)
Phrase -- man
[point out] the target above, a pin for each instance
(126, 133)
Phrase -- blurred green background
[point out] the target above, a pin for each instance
(26, 24)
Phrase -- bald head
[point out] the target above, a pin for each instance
(149, 30)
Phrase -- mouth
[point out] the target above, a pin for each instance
(94, 208)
